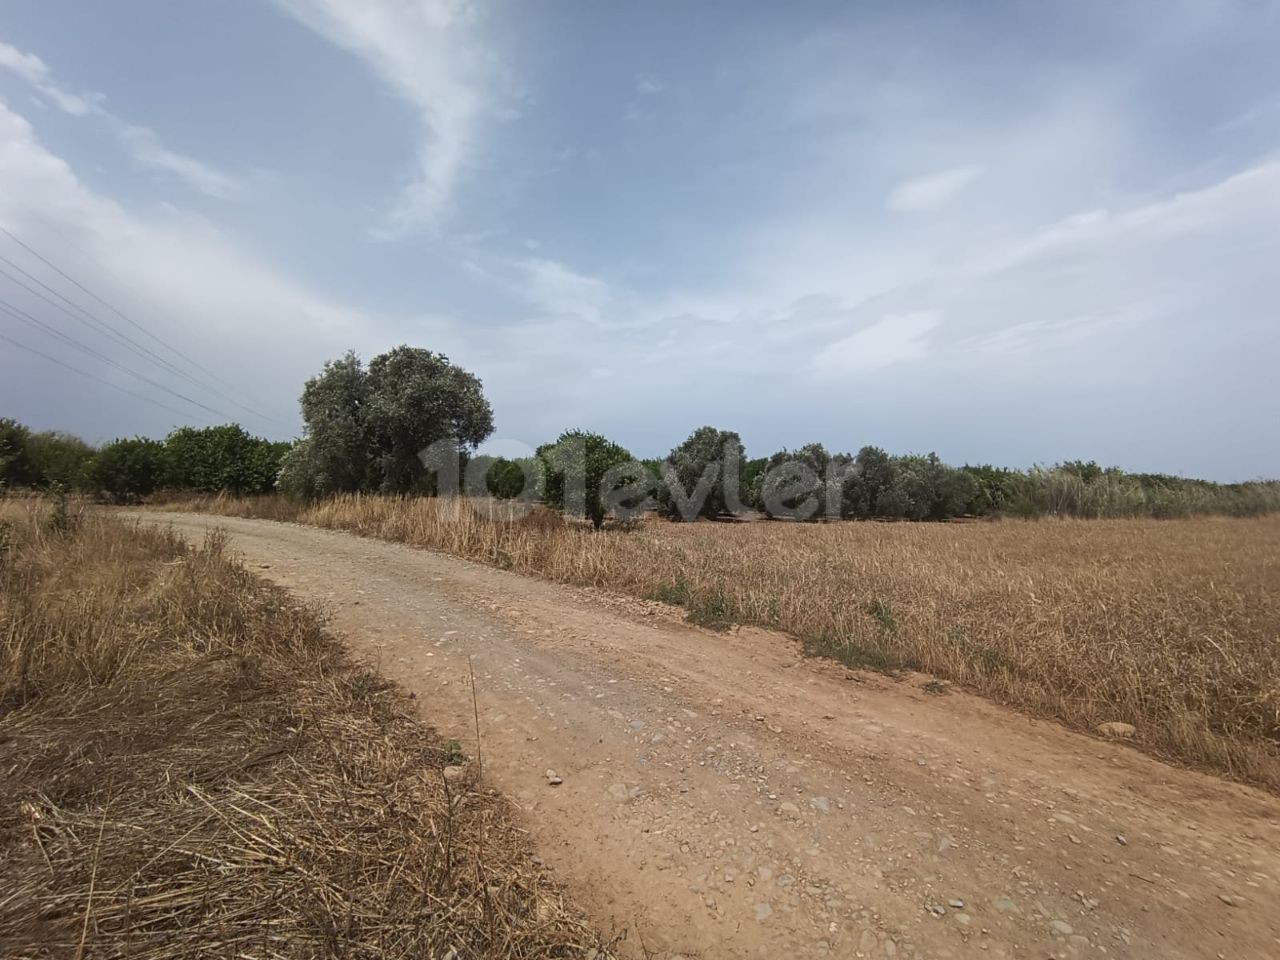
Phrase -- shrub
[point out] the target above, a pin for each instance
(59, 459)
(16, 469)
(128, 469)
(222, 459)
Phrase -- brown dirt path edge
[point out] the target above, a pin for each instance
(723, 796)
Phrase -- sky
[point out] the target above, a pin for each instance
(1006, 232)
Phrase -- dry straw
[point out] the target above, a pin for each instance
(189, 767)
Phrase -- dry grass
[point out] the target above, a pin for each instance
(1170, 625)
(190, 767)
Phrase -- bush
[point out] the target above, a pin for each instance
(59, 459)
(222, 459)
(16, 469)
(128, 469)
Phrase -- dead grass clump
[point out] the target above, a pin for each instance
(192, 767)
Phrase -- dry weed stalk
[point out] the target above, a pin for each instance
(191, 767)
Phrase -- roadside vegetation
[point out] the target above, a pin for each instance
(192, 767)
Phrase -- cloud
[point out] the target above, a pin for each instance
(558, 291)
(896, 338)
(142, 143)
(647, 86)
(145, 147)
(176, 275)
(36, 72)
(925, 194)
(428, 55)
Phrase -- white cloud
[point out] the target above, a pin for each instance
(426, 53)
(176, 275)
(36, 72)
(924, 194)
(558, 291)
(145, 148)
(142, 143)
(892, 339)
(647, 86)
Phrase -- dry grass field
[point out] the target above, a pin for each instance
(190, 766)
(1171, 626)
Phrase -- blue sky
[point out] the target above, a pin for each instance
(1006, 232)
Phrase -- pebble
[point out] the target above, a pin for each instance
(554, 778)
(1061, 928)
(956, 904)
(763, 911)
(938, 910)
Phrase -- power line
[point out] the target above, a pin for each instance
(124, 316)
(115, 336)
(119, 339)
(23, 315)
(97, 379)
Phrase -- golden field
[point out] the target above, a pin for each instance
(1172, 626)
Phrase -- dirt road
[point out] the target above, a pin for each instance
(724, 797)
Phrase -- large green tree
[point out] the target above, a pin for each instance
(417, 399)
(368, 428)
(703, 475)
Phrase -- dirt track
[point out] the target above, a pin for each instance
(725, 797)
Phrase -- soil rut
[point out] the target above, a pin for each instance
(723, 796)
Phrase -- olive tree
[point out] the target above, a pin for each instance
(415, 399)
(585, 475)
(702, 477)
(366, 429)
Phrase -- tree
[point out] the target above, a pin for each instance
(803, 484)
(336, 458)
(59, 458)
(583, 474)
(415, 399)
(367, 429)
(876, 475)
(707, 467)
(128, 469)
(16, 469)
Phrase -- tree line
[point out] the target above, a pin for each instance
(409, 423)
(209, 460)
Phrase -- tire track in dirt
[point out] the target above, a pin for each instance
(722, 796)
